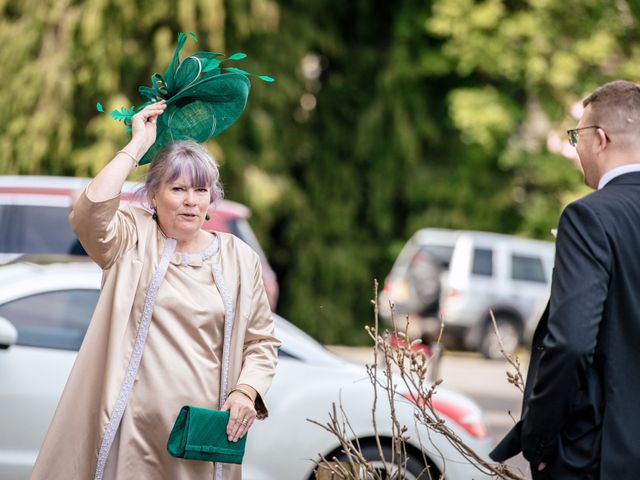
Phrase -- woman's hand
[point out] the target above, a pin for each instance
(143, 127)
(242, 414)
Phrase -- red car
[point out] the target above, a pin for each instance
(34, 211)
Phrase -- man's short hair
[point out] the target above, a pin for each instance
(616, 106)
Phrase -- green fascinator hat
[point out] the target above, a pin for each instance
(203, 97)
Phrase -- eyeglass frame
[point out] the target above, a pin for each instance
(573, 134)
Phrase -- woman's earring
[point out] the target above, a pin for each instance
(207, 217)
(155, 215)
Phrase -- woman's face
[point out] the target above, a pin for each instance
(181, 208)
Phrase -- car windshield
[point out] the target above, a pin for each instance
(297, 344)
(441, 253)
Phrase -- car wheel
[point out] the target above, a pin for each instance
(510, 334)
(414, 468)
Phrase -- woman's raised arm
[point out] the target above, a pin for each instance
(109, 181)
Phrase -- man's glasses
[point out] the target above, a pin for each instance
(573, 134)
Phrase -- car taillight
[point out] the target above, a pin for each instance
(396, 289)
(470, 420)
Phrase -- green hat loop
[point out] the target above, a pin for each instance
(203, 97)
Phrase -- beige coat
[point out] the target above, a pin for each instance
(71, 446)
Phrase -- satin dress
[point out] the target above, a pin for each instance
(180, 366)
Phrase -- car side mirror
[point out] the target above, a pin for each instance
(8, 334)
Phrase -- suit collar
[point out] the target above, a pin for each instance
(632, 178)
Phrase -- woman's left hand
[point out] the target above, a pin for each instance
(242, 414)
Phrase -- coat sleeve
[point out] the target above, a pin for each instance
(104, 231)
(260, 349)
(579, 290)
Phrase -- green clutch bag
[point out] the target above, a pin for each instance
(201, 434)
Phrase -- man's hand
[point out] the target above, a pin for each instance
(542, 466)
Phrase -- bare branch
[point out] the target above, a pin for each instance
(403, 360)
(516, 379)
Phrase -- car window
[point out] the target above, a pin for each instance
(527, 268)
(56, 319)
(35, 229)
(482, 262)
(300, 346)
(441, 253)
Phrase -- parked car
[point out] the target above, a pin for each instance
(34, 219)
(45, 308)
(460, 276)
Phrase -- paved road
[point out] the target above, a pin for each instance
(483, 380)
(486, 382)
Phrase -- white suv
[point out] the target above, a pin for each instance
(462, 276)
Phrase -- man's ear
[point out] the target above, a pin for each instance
(603, 140)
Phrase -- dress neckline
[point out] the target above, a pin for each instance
(196, 259)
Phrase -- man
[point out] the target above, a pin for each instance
(580, 417)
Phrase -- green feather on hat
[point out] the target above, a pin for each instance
(203, 97)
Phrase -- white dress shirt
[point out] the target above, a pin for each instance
(616, 172)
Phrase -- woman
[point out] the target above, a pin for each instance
(178, 307)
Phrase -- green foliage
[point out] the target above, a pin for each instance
(499, 115)
(386, 117)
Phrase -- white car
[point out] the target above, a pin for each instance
(460, 276)
(45, 306)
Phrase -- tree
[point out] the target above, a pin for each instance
(386, 117)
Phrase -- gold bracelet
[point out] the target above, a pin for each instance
(243, 391)
(135, 161)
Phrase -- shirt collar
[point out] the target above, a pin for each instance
(616, 172)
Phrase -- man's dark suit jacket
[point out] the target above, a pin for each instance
(581, 408)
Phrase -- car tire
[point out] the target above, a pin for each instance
(510, 332)
(414, 469)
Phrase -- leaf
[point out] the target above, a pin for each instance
(194, 36)
(236, 70)
(237, 56)
(99, 107)
(266, 78)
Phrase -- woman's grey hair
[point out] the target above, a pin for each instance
(184, 157)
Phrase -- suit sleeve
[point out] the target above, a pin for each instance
(578, 293)
(260, 349)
